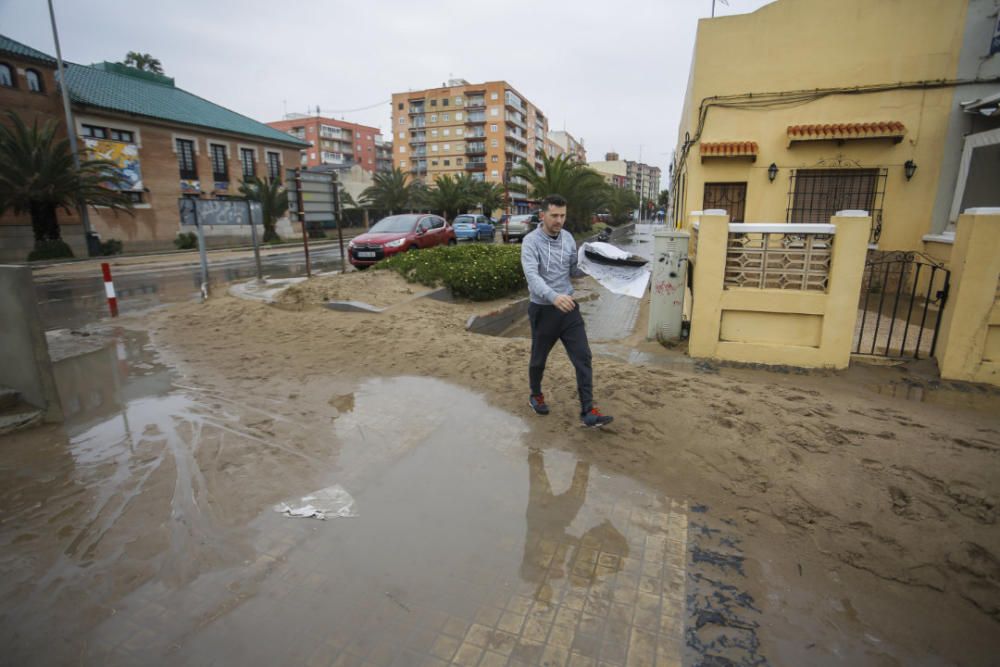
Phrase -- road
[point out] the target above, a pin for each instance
(73, 295)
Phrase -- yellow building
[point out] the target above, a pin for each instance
(807, 107)
(484, 130)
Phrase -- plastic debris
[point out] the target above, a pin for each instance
(333, 501)
(627, 280)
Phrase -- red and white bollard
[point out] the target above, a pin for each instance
(109, 289)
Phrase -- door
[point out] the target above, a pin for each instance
(424, 235)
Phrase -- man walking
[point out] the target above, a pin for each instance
(548, 256)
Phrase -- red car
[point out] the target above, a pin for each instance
(399, 233)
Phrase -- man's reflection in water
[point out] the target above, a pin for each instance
(547, 543)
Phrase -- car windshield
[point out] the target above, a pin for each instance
(521, 218)
(394, 223)
(464, 220)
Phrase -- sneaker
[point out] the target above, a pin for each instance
(537, 403)
(594, 419)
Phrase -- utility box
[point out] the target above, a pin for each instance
(668, 282)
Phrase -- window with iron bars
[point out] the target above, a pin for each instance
(814, 195)
(220, 170)
(274, 167)
(732, 197)
(249, 164)
(185, 159)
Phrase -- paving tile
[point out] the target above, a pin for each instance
(444, 647)
(467, 655)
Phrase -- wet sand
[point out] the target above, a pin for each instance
(826, 518)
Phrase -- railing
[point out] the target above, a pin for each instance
(516, 137)
(475, 148)
(475, 103)
(770, 256)
(475, 118)
(515, 120)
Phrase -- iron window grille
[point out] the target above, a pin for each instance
(729, 196)
(274, 167)
(814, 195)
(185, 159)
(220, 170)
(249, 165)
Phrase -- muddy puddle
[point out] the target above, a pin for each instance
(144, 530)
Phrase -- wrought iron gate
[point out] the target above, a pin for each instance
(902, 300)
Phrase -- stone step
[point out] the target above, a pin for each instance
(19, 416)
(9, 397)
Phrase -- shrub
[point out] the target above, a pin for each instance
(476, 272)
(186, 240)
(111, 247)
(52, 249)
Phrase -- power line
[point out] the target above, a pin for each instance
(365, 108)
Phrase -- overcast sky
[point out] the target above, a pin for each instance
(613, 73)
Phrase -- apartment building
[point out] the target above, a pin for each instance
(336, 142)
(569, 144)
(484, 130)
(644, 179)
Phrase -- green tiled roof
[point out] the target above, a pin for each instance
(100, 86)
(8, 45)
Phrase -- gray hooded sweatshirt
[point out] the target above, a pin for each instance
(548, 264)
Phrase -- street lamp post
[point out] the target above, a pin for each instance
(70, 128)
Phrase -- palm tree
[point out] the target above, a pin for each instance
(620, 204)
(391, 191)
(583, 188)
(143, 61)
(38, 177)
(273, 200)
(490, 196)
(449, 196)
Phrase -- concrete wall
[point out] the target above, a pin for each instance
(24, 353)
(969, 342)
(776, 326)
(796, 45)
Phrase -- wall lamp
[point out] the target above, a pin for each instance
(772, 172)
(909, 168)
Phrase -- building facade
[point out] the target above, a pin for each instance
(335, 142)
(879, 127)
(639, 177)
(166, 143)
(568, 144)
(484, 130)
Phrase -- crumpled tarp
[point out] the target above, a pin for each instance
(333, 501)
(627, 280)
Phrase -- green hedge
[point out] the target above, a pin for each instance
(476, 272)
(53, 249)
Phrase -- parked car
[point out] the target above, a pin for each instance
(399, 233)
(473, 227)
(516, 227)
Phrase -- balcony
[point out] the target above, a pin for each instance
(515, 119)
(475, 148)
(473, 103)
(416, 109)
(513, 103)
(475, 118)
(519, 138)
(418, 138)
(475, 165)
(418, 123)
(422, 152)
(477, 133)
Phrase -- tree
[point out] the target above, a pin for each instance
(490, 196)
(620, 203)
(391, 191)
(583, 188)
(663, 199)
(143, 61)
(449, 196)
(38, 177)
(273, 200)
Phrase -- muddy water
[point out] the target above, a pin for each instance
(130, 535)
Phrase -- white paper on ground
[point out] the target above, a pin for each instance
(333, 501)
(627, 280)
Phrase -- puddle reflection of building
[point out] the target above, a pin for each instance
(550, 552)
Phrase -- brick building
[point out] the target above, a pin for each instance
(483, 129)
(337, 142)
(166, 142)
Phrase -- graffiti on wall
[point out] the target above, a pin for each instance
(125, 158)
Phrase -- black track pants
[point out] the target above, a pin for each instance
(548, 325)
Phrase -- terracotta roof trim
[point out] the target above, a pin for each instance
(877, 129)
(728, 149)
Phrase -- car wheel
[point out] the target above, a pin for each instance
(361, 267)
(412, 248)
(452, 242)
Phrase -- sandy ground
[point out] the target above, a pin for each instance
(885, 507)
